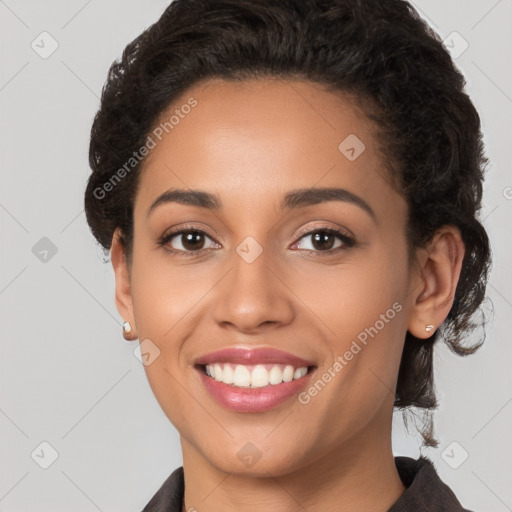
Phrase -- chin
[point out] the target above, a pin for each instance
(250, 461)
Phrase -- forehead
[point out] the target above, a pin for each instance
(253, 140)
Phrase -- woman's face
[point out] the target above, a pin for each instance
(267, 272)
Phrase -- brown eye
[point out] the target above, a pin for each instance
(186, 241)
(325, 240)
(192, 241)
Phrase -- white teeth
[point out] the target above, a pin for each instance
(300, 372)
(228, 375)
(288, 373)
(242, 376)
(259, 376)
(217, 372)
(239, 375)
(275, 375)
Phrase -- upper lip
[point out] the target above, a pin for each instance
(252, 356)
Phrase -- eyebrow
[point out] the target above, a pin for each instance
(298, 198)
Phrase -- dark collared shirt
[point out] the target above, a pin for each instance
(425, 491)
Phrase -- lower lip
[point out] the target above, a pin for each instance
(253, 399)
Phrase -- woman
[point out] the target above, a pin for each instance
(289, 191)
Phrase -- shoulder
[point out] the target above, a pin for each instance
(425, 489)
(169, 497)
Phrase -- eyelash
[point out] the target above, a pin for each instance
(347, 240)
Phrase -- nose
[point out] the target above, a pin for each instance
(253, 296)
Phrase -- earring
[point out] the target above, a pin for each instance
(429, 328)
(127, 332)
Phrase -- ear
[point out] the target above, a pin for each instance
(434, 281)
(123, 294)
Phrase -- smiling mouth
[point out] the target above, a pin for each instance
(254, 376)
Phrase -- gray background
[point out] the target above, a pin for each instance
(67, 376)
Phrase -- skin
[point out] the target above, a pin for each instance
(250, 143)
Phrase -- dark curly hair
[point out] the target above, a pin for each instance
(377, 51)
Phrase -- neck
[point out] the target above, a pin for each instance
(359, 475)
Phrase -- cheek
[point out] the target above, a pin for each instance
(169, 303)
(164, 294)
(353, 295)
(163, 304)
(361, 309)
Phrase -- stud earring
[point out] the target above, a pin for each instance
(128, 332)
(429, 328)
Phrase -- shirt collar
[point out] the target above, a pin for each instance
(425, 491)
